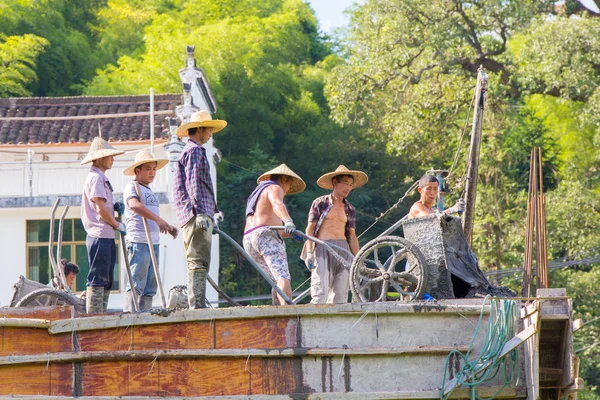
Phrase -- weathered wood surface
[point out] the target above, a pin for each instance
(424, 309)
(356, 351)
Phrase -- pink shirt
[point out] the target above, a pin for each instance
(96, 185)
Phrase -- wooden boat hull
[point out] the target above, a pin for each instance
(371, 350)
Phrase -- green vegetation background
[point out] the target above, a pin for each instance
(388, 95)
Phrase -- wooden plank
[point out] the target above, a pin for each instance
(102, 378)
(282, 375)
(25, 323)
(257, 333)
(61, 379)
(25, 380)
(120, 339)
(19, 341)
(425, 309)
(46, 313)
(143, 378)
(151, 355)
(189, 335)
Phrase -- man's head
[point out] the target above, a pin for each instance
(146, 173)
(284, 181)
(342, 185)
(201, 135)
(70, 270)
(104, 163)
(428, 188)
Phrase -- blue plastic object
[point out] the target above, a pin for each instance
(427, 296)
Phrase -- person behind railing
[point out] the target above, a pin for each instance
(137, 207)
(97, 216)
(428, 189)
(333, 219)
(265, 207)
(195, 202)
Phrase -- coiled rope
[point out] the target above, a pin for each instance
(502, 326)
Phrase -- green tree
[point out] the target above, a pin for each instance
(18, 55)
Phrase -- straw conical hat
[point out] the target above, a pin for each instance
(298, 184)
(144, 157)
(201, 119)
(98, 149)
(360, 178)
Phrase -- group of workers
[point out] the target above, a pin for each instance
(331, 219)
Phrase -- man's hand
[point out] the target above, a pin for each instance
(203, 222)
(310, 260)
(163, 225)
(459, 207)
(173, 231)
(219, 217)
(289, 226)
(119, 208)
(121, 228)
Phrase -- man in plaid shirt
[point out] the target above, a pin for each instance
(195, 202)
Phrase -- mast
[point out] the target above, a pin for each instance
(473, 162)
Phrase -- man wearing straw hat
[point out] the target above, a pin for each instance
(265, 208)
(97, 216)
(137, 207)
(332, 219)
(195, 202)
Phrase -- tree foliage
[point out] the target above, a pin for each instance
(18, 56)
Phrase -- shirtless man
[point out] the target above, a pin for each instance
(428, 188)
(332, 219)
(265, 208)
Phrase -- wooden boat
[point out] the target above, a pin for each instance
(356, 350)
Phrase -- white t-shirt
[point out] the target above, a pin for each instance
(135, 226)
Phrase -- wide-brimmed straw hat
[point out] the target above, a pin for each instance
(201, 119)
(297, 185)
(360, 178)
(99, 149)
(144, 157)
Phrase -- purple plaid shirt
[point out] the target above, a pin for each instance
(192, 188)
(320, 208)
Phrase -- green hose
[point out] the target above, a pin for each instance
(502, 326)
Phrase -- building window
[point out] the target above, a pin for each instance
(39, 268)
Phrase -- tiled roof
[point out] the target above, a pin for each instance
(33, 120)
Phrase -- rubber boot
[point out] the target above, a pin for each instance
(105, 300)
(197, 288)
(128, 302)
(145, 303)
(94, 300)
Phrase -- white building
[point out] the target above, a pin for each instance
(42, 141)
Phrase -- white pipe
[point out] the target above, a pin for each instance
(152, 121)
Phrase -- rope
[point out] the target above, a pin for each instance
(408, 192)
(502, 326)
(462, 137)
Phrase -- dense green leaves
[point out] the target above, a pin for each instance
(18, 56)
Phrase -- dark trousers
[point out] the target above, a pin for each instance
(102, 255)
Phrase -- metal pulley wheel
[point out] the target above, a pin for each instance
(51, 297)
(388, 268)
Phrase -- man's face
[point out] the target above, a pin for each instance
(205, 134)
(105, 162)
(146, 173)
(286, 184)
(429, 193)
(343, 186)
(70, 279)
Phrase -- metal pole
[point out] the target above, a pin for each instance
(136, 304)
(61, 272)
(473, 162)
(152, 121)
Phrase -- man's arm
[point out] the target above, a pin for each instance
(140, 209)
(310, 231)
(192, 176)
(103, 212)
(353, 242)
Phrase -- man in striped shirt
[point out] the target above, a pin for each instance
(195, 202)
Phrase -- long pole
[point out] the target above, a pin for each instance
(473, 162)
(152, 121)
(152, 253)
(136, 304)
